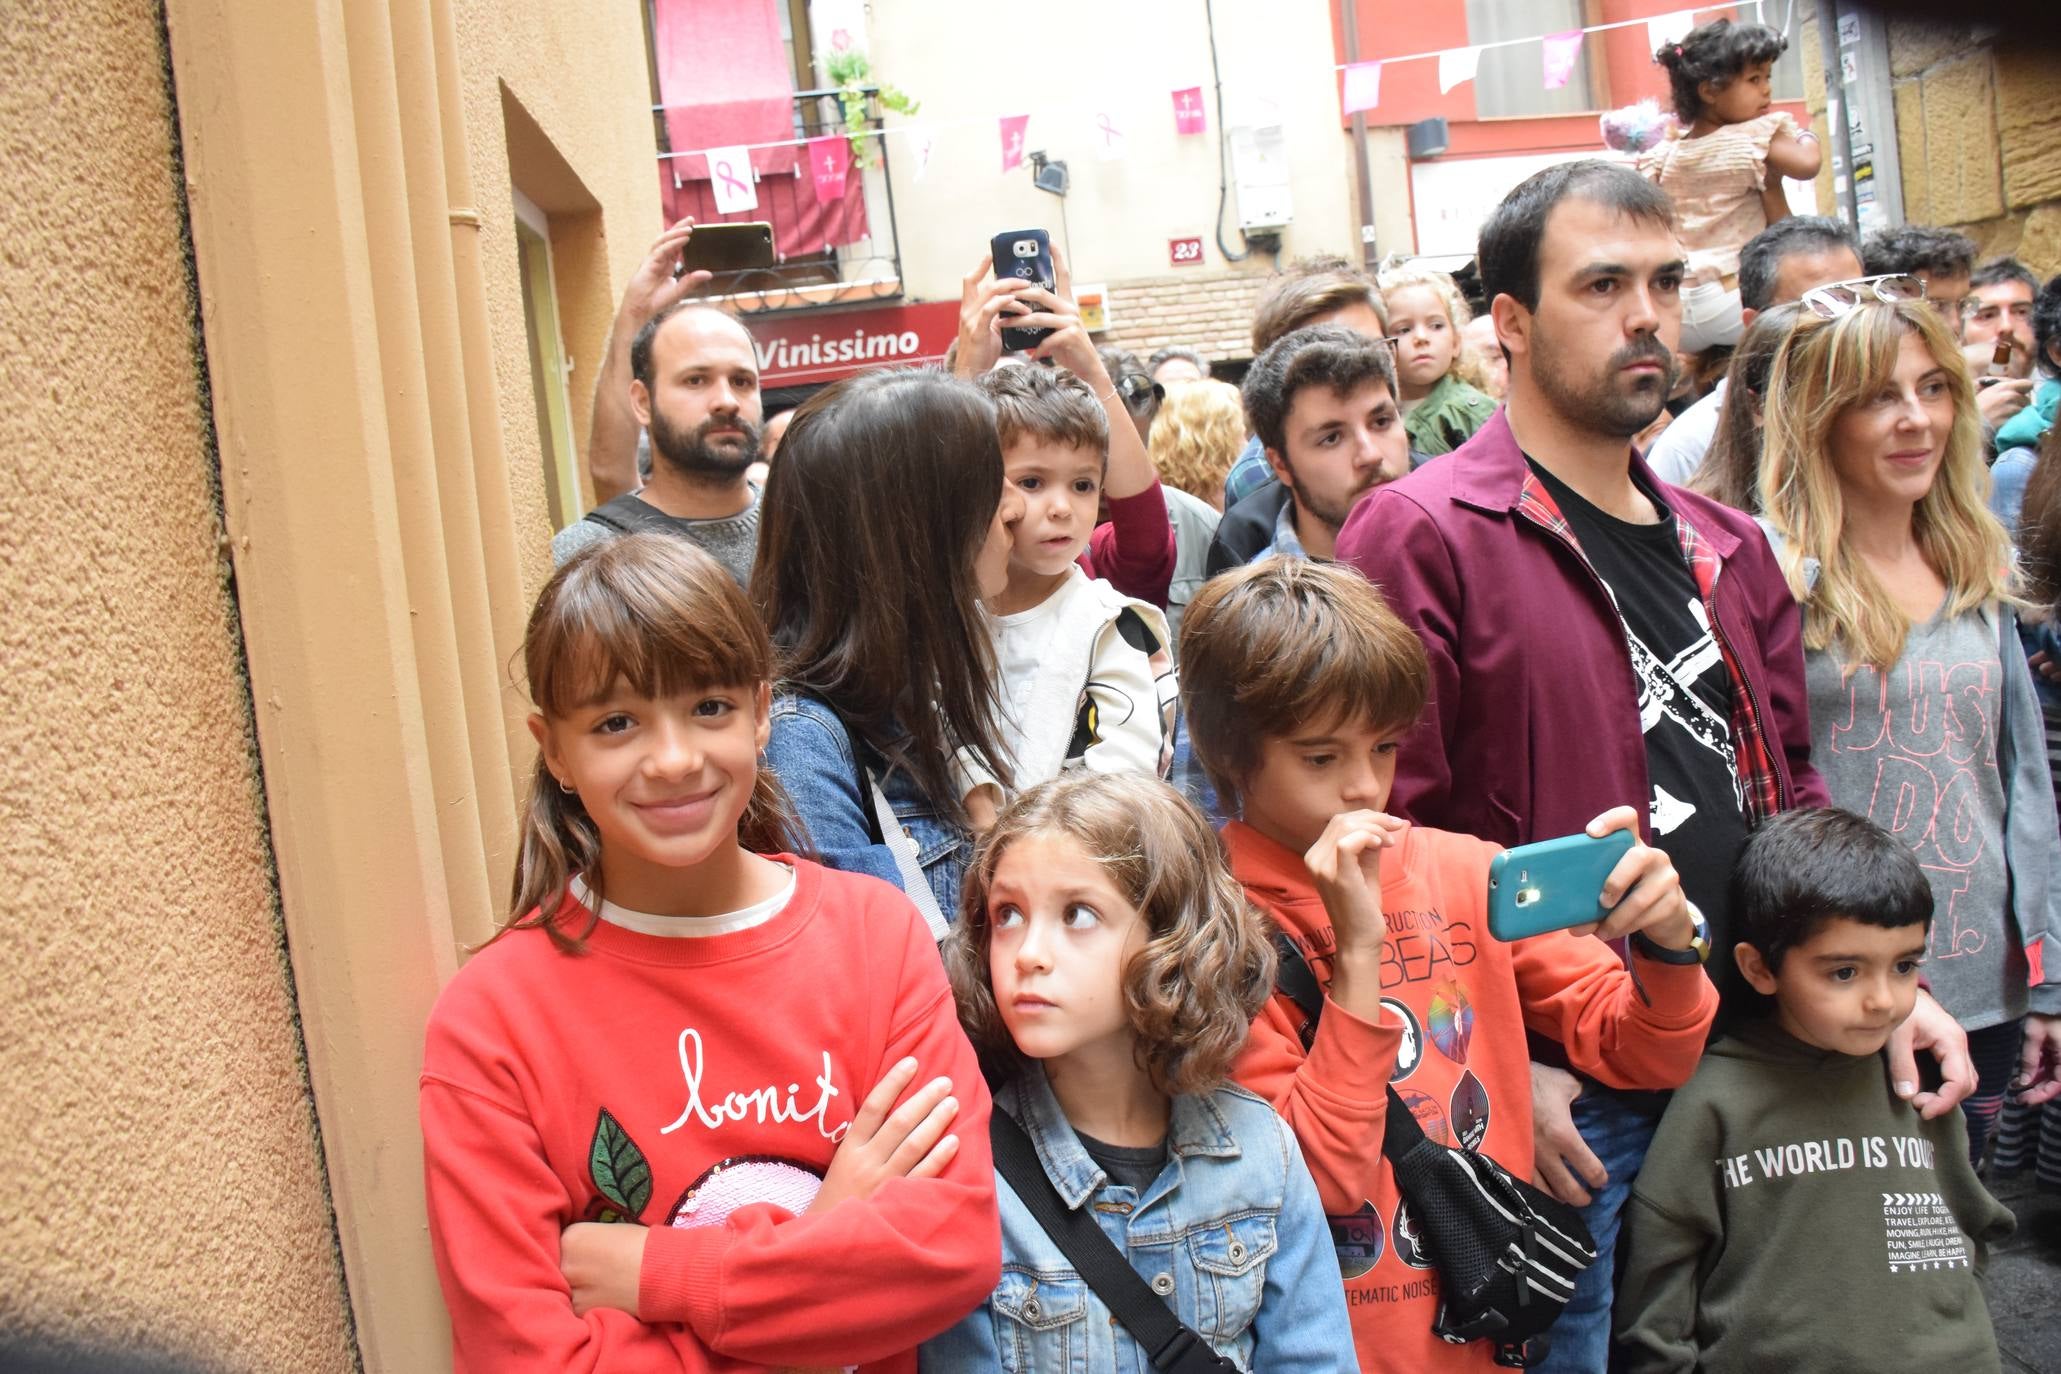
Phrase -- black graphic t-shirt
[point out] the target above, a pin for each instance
(1685, 702)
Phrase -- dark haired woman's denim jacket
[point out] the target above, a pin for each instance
(811, 754)
(1231, 1234)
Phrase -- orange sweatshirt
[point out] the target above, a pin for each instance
(1455, 1002)
(700, 1086)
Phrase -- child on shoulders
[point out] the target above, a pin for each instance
(1300, 683)
(1717, 169)
(1107, 967)
(1085, 674)
(1792, 1205)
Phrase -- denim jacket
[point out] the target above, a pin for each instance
(1231, 1232)
(809, 751)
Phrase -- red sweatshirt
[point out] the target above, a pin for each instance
(699, 1086)
(1455, 1002)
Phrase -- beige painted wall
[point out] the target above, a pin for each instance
(583, 85)
(160, 1179)
(971, 61)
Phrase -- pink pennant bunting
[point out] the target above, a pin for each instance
(1012, 140)
(1362, 86)
(830, 161)
(1188, 114)
(1562, 50)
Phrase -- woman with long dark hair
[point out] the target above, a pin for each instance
(884, 524)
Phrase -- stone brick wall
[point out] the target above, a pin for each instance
(1209, 311)
(1978, 131)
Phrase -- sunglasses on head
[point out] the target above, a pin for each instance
(1136, 387)
(1831, 301)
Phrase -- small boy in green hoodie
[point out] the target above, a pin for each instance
(1794, 1211)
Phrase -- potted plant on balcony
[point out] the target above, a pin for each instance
(851, 71)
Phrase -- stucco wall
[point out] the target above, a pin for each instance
(160, 1179)
(586, 87)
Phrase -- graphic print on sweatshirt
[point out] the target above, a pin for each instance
(1919, 1231)
(724, 1111)
(1924, 740)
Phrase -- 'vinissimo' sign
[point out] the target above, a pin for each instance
(796, 350)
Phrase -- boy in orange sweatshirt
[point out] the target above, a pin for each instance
(1300, 682)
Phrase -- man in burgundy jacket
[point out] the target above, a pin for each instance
(1597, 638)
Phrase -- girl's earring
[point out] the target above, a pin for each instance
(565, 786)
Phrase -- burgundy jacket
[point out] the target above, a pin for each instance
(1533, 725)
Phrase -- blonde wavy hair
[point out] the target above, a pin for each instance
(1197, 435)
(1466, 366)
(1208, 965)
(1821, 370)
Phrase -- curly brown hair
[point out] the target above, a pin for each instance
(1208, 965)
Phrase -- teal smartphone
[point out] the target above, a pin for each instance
(1553, 884)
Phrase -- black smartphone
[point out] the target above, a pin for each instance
(723, 248)
(1024, 253)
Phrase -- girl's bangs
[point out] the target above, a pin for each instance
(623, 629)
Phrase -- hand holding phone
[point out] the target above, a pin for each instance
(716, 248)
(1638, 891)
(1025, 255)
(1553, 884)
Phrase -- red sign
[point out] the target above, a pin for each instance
(799, 349)
(1184, 252)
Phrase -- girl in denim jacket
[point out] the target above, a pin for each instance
(883, 525)
(1107, 967)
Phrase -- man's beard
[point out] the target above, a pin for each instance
(1606, 401)
(1333, 516)
(690, 454)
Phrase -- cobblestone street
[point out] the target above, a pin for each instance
(2024, 1280)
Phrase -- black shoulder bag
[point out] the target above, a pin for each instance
(1507, 1254)
(1173, 1346)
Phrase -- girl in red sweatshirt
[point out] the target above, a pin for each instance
(1300, 681)
(700, 1105)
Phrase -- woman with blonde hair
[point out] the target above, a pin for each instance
(1196, 437)
(1441, 406)
(1923, 715)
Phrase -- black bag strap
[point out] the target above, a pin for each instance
(1296, 980)
(632, 514)
(1173, 1346)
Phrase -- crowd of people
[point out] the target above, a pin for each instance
(1014, 867)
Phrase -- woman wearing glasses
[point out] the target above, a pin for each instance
(1922, 709)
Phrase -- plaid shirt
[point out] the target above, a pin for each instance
(1760, 786)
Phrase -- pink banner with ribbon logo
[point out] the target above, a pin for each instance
(1188, 113)
(1562, 51)
(1012, 127)
(1362, 86)
(729, 176)
(830, 161)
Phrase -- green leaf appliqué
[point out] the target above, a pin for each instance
(618, 1166)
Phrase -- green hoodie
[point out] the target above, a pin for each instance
(1794, 1213)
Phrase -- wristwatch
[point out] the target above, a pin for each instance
(1699, 943)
